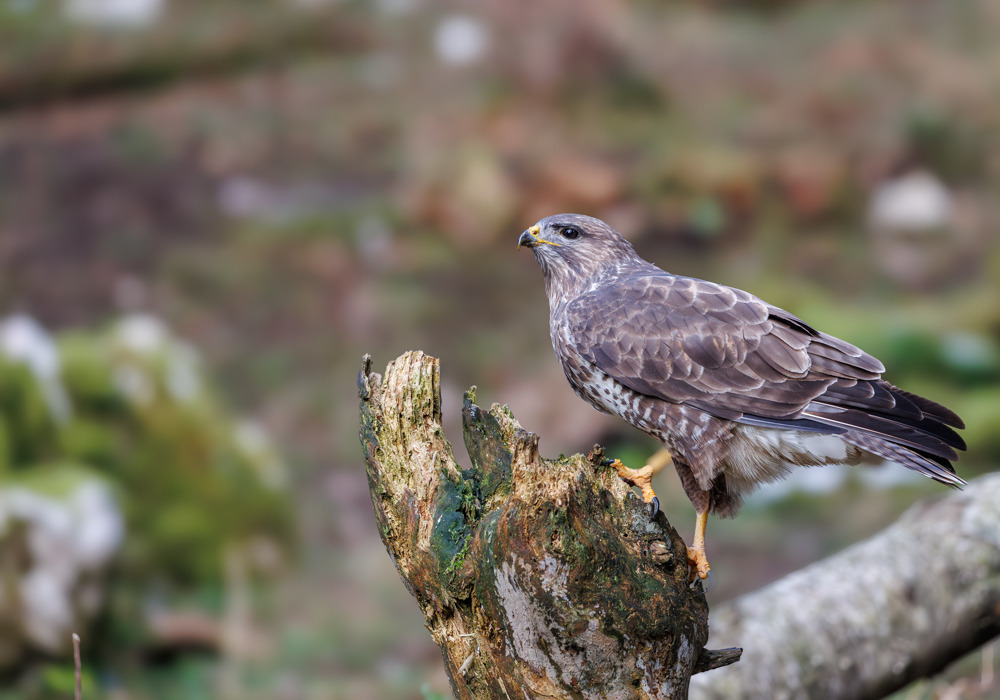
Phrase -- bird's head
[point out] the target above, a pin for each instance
(575, 250)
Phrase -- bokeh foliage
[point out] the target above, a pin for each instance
(191, 479)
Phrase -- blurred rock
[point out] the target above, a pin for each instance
(913, 202)
(118, 14)
(460, 39)
(60, 529)
(23, 340)
(922, 236)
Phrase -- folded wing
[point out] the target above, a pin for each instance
(734, 356)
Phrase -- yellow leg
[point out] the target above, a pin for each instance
(660, 461)
(696, 552)
(642, 478)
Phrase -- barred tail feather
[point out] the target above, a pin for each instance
(929, 465)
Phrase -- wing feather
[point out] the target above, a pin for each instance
(791, 362)
(730, 354)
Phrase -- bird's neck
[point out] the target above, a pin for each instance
(564, 285)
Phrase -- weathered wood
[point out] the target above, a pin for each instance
(537, 578)
(900, 606)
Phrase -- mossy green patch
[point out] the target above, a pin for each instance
(485, 441)
(451, 532)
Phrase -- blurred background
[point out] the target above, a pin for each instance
(209, 210)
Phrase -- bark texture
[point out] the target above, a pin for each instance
(537, 578)
(898, 607)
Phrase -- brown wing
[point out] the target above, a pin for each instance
(734, 356)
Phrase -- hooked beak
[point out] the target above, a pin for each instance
(531, 238)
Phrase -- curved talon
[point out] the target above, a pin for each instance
(638, 477)
(698, 563)
(607, 462)
(708, 583)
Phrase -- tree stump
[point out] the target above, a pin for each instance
(537, 578)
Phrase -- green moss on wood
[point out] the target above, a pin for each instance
(451, 528)
(489, 451)
(564, 564)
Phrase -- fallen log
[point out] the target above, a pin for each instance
(872, 619)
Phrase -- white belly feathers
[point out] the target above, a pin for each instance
(761, 455)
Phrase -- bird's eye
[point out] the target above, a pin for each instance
(570, 232)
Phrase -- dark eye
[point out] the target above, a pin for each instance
(570, 233)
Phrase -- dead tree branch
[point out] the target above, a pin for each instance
(537, 578)
(98, 64)
(900, 606)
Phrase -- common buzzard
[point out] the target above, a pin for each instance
(738, 391)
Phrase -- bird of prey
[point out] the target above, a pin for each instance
(738, 391)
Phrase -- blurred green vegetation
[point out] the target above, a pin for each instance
(193, 480)
(131, 406)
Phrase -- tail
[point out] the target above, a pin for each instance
(930, 465)
(901, 427)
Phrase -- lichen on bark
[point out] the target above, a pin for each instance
(537, 578)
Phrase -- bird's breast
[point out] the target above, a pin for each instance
(606, 394)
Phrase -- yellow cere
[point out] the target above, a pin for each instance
(536, 231)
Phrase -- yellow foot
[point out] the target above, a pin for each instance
(698, 563)
(638, 477)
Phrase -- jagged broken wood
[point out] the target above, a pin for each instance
(537, 578)
(866, 622)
